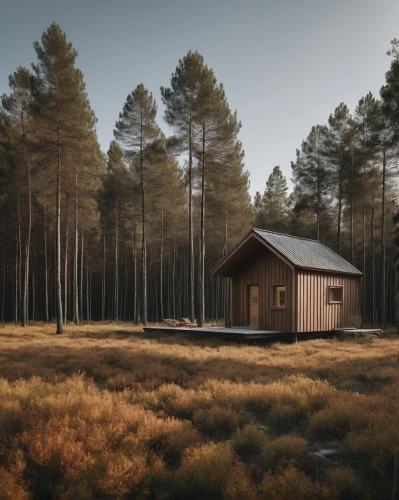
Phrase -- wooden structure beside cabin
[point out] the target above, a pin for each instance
(290, 284)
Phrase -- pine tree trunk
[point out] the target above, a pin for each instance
(339, 213)
(46, 264)
(144, 240)
(19, 279)
(3, 283)
(25, 298)
(103, 277)
(81, 274)
(116, 289)
(135, 275)
(352, 211)
(364, 288)
(201, 318)
(66, 262)
(372, 264)
(190, 224)
(16, 280)
(87, 286)
(125, 288)
(383, 294)
(174, 280)
(58, 238)
(318, 191)
(75, 259)
(161, 266)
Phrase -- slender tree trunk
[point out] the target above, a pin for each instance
(190, 222)
(318, 188)
(46, 263)
(226, 288)
(144, 240)
(352, 212)
(161, 265)
(125, 288)
(372, 263)
(19, 261)
(66, 262)
(16, 280)
(81, 274)
(364, 288)
(87, 285)
(33, 292)
(103, 277)
(116, 289)
(58, 238)
(339, 213)
(3, 298)
(201, 318)
(383, 294)
(135, 273)
(25, 299)
(174, 279)
(75, 259)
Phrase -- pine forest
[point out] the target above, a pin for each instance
(133, 234)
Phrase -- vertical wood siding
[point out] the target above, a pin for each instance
(265, 269)
(314, 313)
(307, 308)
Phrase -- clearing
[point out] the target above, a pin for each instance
(105, 410)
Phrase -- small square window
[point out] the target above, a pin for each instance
(335, 294)
(279, 296)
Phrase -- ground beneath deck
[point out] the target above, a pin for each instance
(241, 333)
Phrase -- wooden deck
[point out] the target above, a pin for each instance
(237, 333)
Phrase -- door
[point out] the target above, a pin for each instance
(254, 306)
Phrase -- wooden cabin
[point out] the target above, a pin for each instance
(290, 284)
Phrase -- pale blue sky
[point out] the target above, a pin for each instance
(285, 64)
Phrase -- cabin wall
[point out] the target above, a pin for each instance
(314, 313)
(265, 269)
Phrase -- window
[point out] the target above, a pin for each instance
(335, 294)
(279, 296)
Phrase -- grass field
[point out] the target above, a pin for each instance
(106, 411)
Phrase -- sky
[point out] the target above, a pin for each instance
(285, 64)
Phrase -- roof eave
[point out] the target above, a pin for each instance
(330, 271)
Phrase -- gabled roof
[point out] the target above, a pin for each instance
(301, 253)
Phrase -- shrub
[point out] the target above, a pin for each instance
(282, 449)
(212, 471)
(351, 411)
(217, 422)
(291, 483)
(248, 443)
(345, 484)
(376, 447)
(286, 417)
(11, 486)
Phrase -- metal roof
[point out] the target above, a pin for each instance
(302, 253)
(307, 254)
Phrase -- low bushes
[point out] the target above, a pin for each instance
(116, 416)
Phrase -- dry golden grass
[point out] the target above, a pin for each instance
(105, 410)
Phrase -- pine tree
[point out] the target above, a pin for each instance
(365, 117)
(62, 123)
(182, 102)
(18, 108)
(218, 129)
(337, 159)
(136, 130)
(311, 176)
(276, 211)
